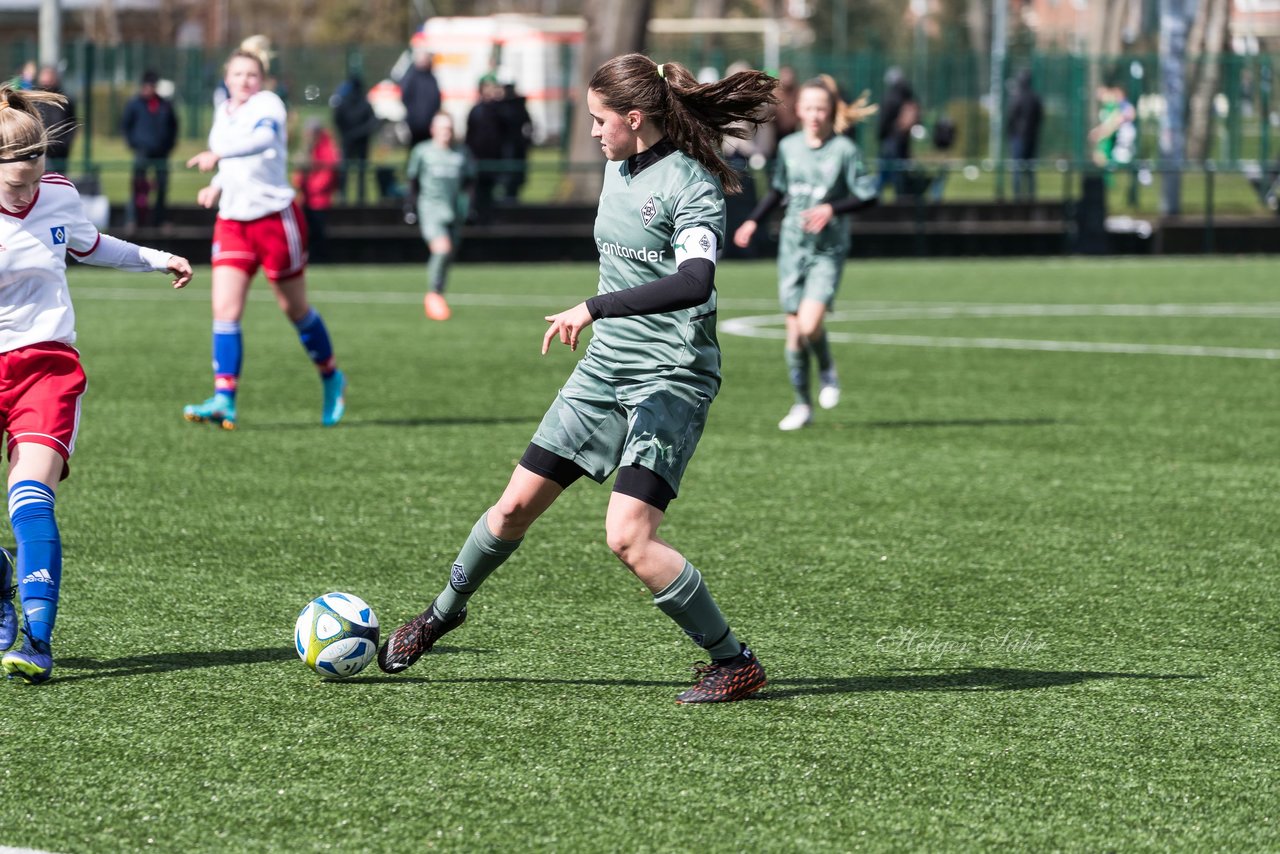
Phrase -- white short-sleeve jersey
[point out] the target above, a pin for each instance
(35, 305)
(253, 170)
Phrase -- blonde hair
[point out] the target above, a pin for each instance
(844, 116)
(23, 135)
(258, 47)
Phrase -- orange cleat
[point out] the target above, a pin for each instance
(436, 307)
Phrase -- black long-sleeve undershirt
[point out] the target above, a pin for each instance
(691, 284)
(774, 197)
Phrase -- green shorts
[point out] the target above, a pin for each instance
(601, 425)
(433, 225)
(807, 274)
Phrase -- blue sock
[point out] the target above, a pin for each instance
(228, 354)
(39, 570)
(315, 338)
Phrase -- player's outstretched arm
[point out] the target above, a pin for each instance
(181, 269)
(567, 326)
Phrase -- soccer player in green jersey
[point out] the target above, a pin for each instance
(440, 174)
(820, 175)
(638, 400)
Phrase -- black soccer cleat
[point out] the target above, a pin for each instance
(725, 681)
(415, 638)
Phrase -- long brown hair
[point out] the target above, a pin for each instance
(696, 116)
(22, 130)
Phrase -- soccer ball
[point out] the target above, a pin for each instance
(336, 635)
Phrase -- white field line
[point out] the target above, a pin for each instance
(769, 325)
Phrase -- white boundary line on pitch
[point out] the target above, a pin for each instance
(4, 849)
(767, 326)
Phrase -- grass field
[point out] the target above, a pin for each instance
(1018, 592)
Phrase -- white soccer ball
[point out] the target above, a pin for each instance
(336, 635)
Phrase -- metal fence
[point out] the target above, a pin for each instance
(1244, 117)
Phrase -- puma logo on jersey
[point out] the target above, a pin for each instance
(649, 211)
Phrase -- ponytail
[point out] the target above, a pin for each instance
(23, 135)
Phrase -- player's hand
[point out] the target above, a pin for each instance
(181, 269)
(742, 237)
(205, 161)
(208, 196)
(816, 219)
(567, 326)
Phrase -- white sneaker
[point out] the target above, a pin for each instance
(800, 415)
(829, 392)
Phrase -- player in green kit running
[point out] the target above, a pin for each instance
(440, 173)
(820, 175)
(638, 400)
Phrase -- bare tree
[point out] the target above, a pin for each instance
(614, 27)
(1208, 38)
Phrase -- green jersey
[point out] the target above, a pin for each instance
(441, 174)
(813, 176)
(641, 230)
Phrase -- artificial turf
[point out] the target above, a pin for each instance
(1007, 598)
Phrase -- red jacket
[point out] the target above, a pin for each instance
(318, 177)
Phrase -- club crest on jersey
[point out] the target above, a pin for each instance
(59, 233)
(649, 211)
(704, 243)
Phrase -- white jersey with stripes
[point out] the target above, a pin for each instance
(35, 304)
(252, 145)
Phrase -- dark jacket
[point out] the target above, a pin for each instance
(1025, 116)
(421, 96)
(150, 129)
(60, 120)
(484, 131)
(354, 118)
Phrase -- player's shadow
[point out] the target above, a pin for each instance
(905, 679)
(165, 662)
(951, 679)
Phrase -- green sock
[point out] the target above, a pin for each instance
(821, 350)
(481, 554)
(687, 601)
(798, 368)
(437, 269)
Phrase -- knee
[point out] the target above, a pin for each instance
(625, 539)
(513, 514)
(811, 330)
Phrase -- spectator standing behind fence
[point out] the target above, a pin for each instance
(899, 112)
(1025, 115)
(517, 134)
(150, 128)
(1115, 135)
(317, 181)
(440, 173)
(356, 122)
(484, 140)
(59, 117)
(421, 96)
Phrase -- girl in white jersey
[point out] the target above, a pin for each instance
(638, 400)
(42, 221)
(259, 224)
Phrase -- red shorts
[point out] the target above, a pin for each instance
(277, 241)
(40, 388)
